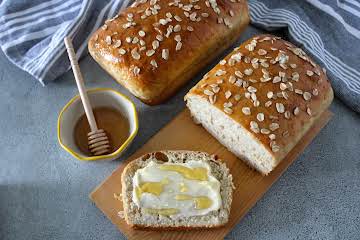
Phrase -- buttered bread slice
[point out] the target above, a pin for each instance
(176, 189)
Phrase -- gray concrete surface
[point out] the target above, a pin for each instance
(44, 192)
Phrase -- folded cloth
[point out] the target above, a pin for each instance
(32, 32)
(327, 30)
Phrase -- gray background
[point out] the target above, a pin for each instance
(44, 191)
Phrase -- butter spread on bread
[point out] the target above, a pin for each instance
(177, 190)
(181, 189)
(153, 47)
(261, 99)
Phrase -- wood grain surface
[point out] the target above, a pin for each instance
(183, 134)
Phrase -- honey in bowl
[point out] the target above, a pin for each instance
(115, 124)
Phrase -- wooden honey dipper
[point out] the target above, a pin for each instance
(98, 141)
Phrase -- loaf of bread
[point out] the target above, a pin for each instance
(140, 217)
(261, 99)
(155, 46)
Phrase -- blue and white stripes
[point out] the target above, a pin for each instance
(327, 44)
(32, 32)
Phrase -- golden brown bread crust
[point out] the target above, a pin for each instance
(294, 114)
(136, 226)
(202, 39)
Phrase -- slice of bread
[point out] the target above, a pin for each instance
(136, 217)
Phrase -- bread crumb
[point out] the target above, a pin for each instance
(118, 196)
(121, 214)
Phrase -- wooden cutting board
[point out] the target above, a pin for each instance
(182, 134)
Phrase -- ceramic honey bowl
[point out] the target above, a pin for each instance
(121, 123)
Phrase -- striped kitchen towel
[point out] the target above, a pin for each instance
(328, 30)
(32, 32)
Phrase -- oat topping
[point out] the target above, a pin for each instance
(177, 28)
(149, 53)
(308, 110)
(283, 86)
(280, 107)
(153, 63)
(227, 94)
(262, 52)
(228, 110)
(135, 55)
(159, 37)
(293, 65)
(274, 147)
(178, 46)
(309, 73)
(117, 44)
(222, 62)
(165, 54)
(276, 79)
(265, 131)
(274, 126)
(252, 89)
(239, 74)
(299, 91)
(220, 72)
(216, 88)
(287, 115)
(296, 111)
(177, 18)
(307, 96)
(141, 33)
(122, 51)
(208, 92)
(177, 38)
(260, 117)
(135, 40)
(212, 99)
(254, 127)
(136, 70)
(228, 104)
(246, 110)
(286, 81)
(108, 40)
(315, 92)
(268, 103)
(248, 71)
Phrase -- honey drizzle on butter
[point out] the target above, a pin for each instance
(155, 188)
(183, 187)
(201, 202)
(198, 173)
